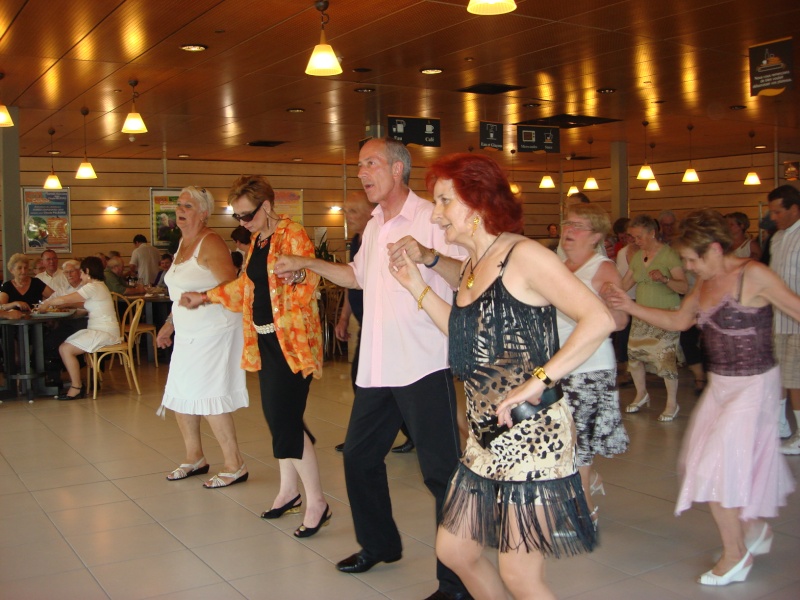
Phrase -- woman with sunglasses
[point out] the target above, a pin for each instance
(204, 379)
(282, 341)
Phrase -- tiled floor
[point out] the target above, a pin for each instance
(85, 512)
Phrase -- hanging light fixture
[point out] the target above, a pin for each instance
(652, 185)
(591, 182)
(516, 189)
(752, 176)
(323, 61)
(690, 176)
(491, 7)
(5, 118)
(645, 172)
(52, 182)
(573, 189)
(86, 170)
(547, 181)
(134, 122)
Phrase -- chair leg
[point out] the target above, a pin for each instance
(155, 348)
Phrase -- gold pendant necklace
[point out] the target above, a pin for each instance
(471, 276)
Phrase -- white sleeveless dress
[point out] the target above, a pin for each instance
(205, 377)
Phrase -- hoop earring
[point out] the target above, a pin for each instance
(475, 222)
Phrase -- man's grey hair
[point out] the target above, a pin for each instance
(397, 152)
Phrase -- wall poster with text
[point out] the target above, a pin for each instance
(290, 202)
(164, 223)
(46, 220)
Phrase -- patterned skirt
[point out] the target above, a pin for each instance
(594, 400)
(655, 348)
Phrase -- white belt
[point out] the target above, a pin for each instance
(263, 329)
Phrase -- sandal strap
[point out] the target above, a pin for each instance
(217, 482)
(183, 471)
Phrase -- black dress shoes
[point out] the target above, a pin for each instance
(440, 595)
(404, 448)
(361, 563)
(339, 447)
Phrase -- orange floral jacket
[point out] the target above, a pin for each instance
(294, 307)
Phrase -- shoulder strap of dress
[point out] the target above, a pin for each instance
(505, 260)
(196, 252)
(740, 284)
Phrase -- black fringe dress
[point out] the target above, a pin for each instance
(523, 485)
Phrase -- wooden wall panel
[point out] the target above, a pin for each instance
(125, 183)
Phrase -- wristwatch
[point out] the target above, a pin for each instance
(539, 373)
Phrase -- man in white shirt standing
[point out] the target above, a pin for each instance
(784, 209)
(52, 275)
(145, 258)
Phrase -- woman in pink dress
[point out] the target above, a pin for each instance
(730, 456)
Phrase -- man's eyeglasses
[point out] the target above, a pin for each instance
(247, 217)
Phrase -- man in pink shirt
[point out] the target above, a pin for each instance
(403, 372)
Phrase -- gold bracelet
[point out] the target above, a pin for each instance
(421, 296)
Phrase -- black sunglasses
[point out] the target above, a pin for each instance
(247, 217)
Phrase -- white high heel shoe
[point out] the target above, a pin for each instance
(763, 543)
(737, 574)
(596, 486)
(635, 406)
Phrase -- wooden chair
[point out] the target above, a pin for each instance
(146, 329)
(124, 349)
(331, 309)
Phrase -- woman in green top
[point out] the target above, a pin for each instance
(659, 278)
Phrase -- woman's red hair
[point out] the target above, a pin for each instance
(482, 186)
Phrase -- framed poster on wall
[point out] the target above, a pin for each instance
(290, 202)
(46, 220)
(164, 225)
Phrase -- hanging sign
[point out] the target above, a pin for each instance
(46, 220)
(771, 67)
(491, 135)
(537, 139)
(415, 130)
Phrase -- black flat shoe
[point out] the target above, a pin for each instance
(292, 507)
(65, 395)
(339, 447)
(361, 563)
(304, 532)
(404, 448)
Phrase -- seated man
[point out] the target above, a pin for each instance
(116, 282)
(165, 263)
(56, 333)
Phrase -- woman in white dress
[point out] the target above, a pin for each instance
(205, 379)
(103, 327)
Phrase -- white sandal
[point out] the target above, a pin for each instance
(187, 470)
(217, 482)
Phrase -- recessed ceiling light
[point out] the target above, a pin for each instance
(295, 110)
(738, 107)
(362, 70)
(54, 152)
(364, 90)
(144, 145)
(468, 59)
(219, 31)
(606, 90)
(760, 147)
(647, 82)
(194, 47)
(532, 105)
(430, 71)
(117, 91)
(183, 156)
(297, 159)
(659, 101)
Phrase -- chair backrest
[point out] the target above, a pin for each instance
(130, 321)
(121, 304)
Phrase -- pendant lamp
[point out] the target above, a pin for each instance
(547, 181)
(5, 118)
(52, 182)
(86, 170)
(134, 122)
(323, 61)
(645, 172)
(573, 189)
(491, 7)
(690, 176)
(652, 185)
(591, 182)
(752, 176)
(516, 189)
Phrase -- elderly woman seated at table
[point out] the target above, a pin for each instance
(22, 291)
(103, 327)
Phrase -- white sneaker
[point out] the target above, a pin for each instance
(792, 445)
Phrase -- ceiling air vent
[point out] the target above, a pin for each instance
(565, 121)
(264, 143)
(491, 88)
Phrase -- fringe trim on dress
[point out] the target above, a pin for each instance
(503, 514)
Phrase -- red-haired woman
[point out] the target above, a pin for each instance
(517, 481)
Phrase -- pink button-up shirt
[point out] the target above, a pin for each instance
(399, 343)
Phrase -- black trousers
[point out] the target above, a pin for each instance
(428, 406)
